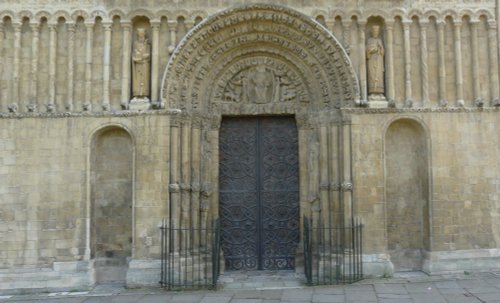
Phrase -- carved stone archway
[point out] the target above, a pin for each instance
(258, 60)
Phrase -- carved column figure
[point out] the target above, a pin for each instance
(51, 107)
(493, 54)
(87, 106)
(141, 67)
(442, 64)
(424, 63)
(106, 104)
(71, 50)
(155, 62)
(35, 30)
(478, 100)
(407, 56)
(375, 53)
(126, 26)
(458, 63)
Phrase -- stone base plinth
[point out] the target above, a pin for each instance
(460, 261)
(377, 101)
(140, 104)
(62, 276)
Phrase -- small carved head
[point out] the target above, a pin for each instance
(375, 31)
(141, 33)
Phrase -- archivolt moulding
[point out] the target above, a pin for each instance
(264, 44)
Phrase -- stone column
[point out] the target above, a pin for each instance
(15, 73)
(346, 34)
(3, 99)
(424, 63)
(362, 61)
(334, 155)
(174, 188)
(185, 182)
(389, 55)
(172, 26)
(478, 100)
(71, 50)
(323, 178)
(35, 30)
(492, 42)
(155, 60)
(407, 56)
(442, 64)
(127, 46)
(51, 107)
(195, 179)
(87, 106)
(106, 104)
(458, 63)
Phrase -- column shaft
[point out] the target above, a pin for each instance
(35, 30)
(71, 50)
(458, 63)
(492, 42)
(442, 64)
(407, 56)
(17, 62)
(362, 62)
(389, 50)
(52, 67)
(424, 65)
(126, 45)
(106, 66)
(88, 66)
(155, 60)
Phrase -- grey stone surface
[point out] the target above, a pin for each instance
(458, 289)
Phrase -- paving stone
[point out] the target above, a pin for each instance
(330, 290)
(246, 301)
(390, 289)
(163, 298)
(215, 299)
(186, 298)
(461, 298)
(320, 298)
(393, 296)
(427, 298)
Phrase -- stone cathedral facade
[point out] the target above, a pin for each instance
(119, 116)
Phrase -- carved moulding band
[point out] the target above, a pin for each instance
(307, 62)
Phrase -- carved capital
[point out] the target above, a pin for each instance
(195, 187)
(347, 186)
(335, 186)
(492, 24)
(174, 188)
(324, 186)
(185, 187)
(155, 24)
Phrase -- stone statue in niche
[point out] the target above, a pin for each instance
(375, 65)
(141, 58)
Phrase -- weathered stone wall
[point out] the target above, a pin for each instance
(45, 206)
(72, 60)
(76, 56)
(463, 184)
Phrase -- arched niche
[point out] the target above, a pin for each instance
(111, 181)
(407, 193)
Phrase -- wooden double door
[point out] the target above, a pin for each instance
(259, 192)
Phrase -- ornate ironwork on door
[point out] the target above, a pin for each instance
(259, 180)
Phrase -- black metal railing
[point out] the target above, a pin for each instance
(333, 255)
(190, 257)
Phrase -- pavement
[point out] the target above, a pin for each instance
(404, 287)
